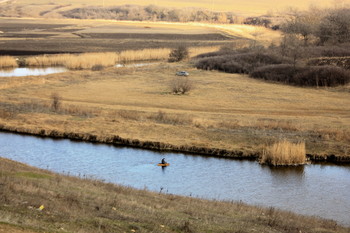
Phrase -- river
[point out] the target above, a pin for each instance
(317, 189)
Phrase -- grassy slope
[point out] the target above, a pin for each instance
(83, 205)
(225, 111)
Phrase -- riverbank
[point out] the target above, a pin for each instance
(160, 146)
(36, 200)
(224, 115)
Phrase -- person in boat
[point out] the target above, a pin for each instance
(163, 161)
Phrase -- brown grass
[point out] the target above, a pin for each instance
(284, 153)
(227, 111)
(8, 62)
(82, 204)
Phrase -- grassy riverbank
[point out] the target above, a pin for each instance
(227, 112)
(83, 205)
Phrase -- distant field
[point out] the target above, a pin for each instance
(243, 7)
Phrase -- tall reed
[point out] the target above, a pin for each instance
(284, 153)
(108, 59)
(8, 62)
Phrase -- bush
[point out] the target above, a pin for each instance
(237, 63)
(178, 54)
(280, 73)
(181, 85)
(324, 76)
(97, 67)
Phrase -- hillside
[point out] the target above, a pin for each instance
(70, 204)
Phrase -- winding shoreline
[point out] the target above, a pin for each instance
(161, 146)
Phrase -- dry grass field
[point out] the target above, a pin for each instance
(225, 111)
(71, 204)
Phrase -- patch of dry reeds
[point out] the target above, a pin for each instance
(97, 61)
(284, 153)
(143, 55)
(8, 62)
(74, 61)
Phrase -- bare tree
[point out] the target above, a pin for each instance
(303, 24)
(178, 54)
(335, 27)
(181, 85)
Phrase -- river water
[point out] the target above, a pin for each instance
(320, 190)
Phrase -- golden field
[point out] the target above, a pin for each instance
(224, 111)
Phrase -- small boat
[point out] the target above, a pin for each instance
(163, 164)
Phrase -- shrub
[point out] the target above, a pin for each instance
(178, 54)
(237, 63)
(326, 76)
(181, 85)
(97, 67)
(284, 153)
(280, 73)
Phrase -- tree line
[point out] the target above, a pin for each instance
(153, 13)
(319, 26)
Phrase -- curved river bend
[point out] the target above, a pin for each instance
(321, 190)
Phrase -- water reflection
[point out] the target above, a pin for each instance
(23, 71)
(286, 172)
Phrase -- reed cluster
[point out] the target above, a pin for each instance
(74, 61)
(284, 153)
(143, 55)
(108, 59)
(8, 62)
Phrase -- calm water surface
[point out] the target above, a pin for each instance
(22, 71)
(321, 190)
